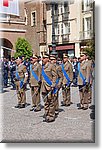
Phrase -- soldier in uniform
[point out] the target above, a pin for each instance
(67, 79)
(49, 76)
(83, 81)
(53, 59)
(12, 71)
(5, 72)
(90, 64)
(35, 83)
(21, 77)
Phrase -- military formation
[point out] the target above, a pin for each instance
(47, 78)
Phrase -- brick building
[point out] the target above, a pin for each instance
(35, 13)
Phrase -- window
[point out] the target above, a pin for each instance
(33, 18)
(4, 17)
(71, 2)
(88, 22)
(57, 29)
(67, 28)
(87, 27)
(61, 8)
(62, 28)
(88, 3)
(56, 9)
(66, 8)
(25, 13)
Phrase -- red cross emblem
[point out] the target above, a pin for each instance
(6, 3)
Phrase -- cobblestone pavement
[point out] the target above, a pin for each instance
(22, 125)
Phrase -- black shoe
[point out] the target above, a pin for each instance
(67, 105)
(80, 107)
(63, 104)
(51, 120)
(36, 110)
(22, 106)
(71, 102)
(56, 113)
(85, 108)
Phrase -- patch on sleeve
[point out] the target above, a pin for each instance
(26, 74)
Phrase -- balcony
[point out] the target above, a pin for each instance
(65, 38)
(65, 16)
(85, 35)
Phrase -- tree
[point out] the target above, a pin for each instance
(90, 48)
(23, 48)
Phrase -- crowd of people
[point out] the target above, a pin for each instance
(46, 76)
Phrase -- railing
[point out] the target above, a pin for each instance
(86, 35)
(65, 37)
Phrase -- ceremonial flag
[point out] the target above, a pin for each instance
(9, 7)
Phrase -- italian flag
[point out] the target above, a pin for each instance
(9, 7)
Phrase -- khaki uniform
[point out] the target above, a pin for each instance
(49, 107)
(85, 70)
(60, 76)
(22, 72)
(35, 86)
(66, 89)
(90, 81)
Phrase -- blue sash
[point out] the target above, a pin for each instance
(57, 81)
(81, 75)
(18, 78)
(46, 78)
(34, 74)
(65, 74)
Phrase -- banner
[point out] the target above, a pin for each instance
(10, 7)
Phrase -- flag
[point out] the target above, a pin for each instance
(10, 7)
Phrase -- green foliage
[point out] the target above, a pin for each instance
(23, 48)
(90, 49)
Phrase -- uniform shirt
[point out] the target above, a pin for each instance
(69, 70)
(22, 71)
(51, 72)
(36, 67)
(85, 70)
(90, 65)
(59, 73)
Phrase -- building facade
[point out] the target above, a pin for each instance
(35, 13)
(11, 28)
(73, 24)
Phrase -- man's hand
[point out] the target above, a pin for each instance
(39, 82)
